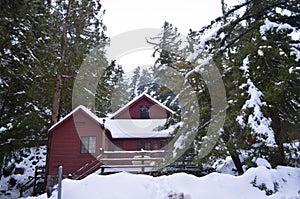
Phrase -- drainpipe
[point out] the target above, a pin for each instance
(103, 136)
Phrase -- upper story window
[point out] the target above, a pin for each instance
(144, 112)
(145, 145)
(88, 144)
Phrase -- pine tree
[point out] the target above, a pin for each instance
(134, 82)
(181, 90)
(80, 28)
(22, 121)
(252, 68)
(168, 70)
(255, 50)
(41, 42)
(121, 94)
(145, 81)
(107, 86)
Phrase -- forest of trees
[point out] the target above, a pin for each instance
(256, 49)
(42, 45)
(255, 46)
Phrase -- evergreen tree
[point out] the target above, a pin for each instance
(22, 121)
(178, 88)
(170, 60)
(107, 86)
(42, 45)
(145, 81)
(79, 28)
(134, 82)
(120, 95)
(256, 50)
(241, 44)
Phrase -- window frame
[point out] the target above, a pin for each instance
(144, 112)
(145, 145)
(88, 144)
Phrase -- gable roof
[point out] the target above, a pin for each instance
(80, 107)
(124, 128)
(136, 99)
(120, 129)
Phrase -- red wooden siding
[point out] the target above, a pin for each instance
(65, 144)
(131, 144)
(133, 111)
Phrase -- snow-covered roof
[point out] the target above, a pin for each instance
(137, 98)
(136, 128)
(126, 128)
(86, 110)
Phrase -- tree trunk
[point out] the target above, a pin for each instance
(237, 163)
(279, 136)
(56, 99)
(59, 84)
(2, 159)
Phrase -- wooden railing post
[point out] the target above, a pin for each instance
(143, 168)
(34, 181)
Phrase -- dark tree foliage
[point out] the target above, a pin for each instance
(42, 46)
(255, 46)
(261, 35)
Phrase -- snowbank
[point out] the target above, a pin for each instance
(254, 184)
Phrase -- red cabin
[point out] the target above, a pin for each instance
(76, 139)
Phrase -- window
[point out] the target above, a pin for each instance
(88, 144)
(144, 112)
(143, 145)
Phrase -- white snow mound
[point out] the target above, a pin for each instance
(185, 186)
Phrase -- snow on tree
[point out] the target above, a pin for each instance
(258, 123)
(262, 90)
(42, 46)
(262, 97)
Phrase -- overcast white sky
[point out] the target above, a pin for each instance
(126, 15)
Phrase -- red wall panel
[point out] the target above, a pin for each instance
(133, 111)
(65, 143)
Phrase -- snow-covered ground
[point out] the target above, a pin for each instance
(21, 168)
(257, 183)
(260, 182)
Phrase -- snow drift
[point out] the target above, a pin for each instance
(256, 183)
